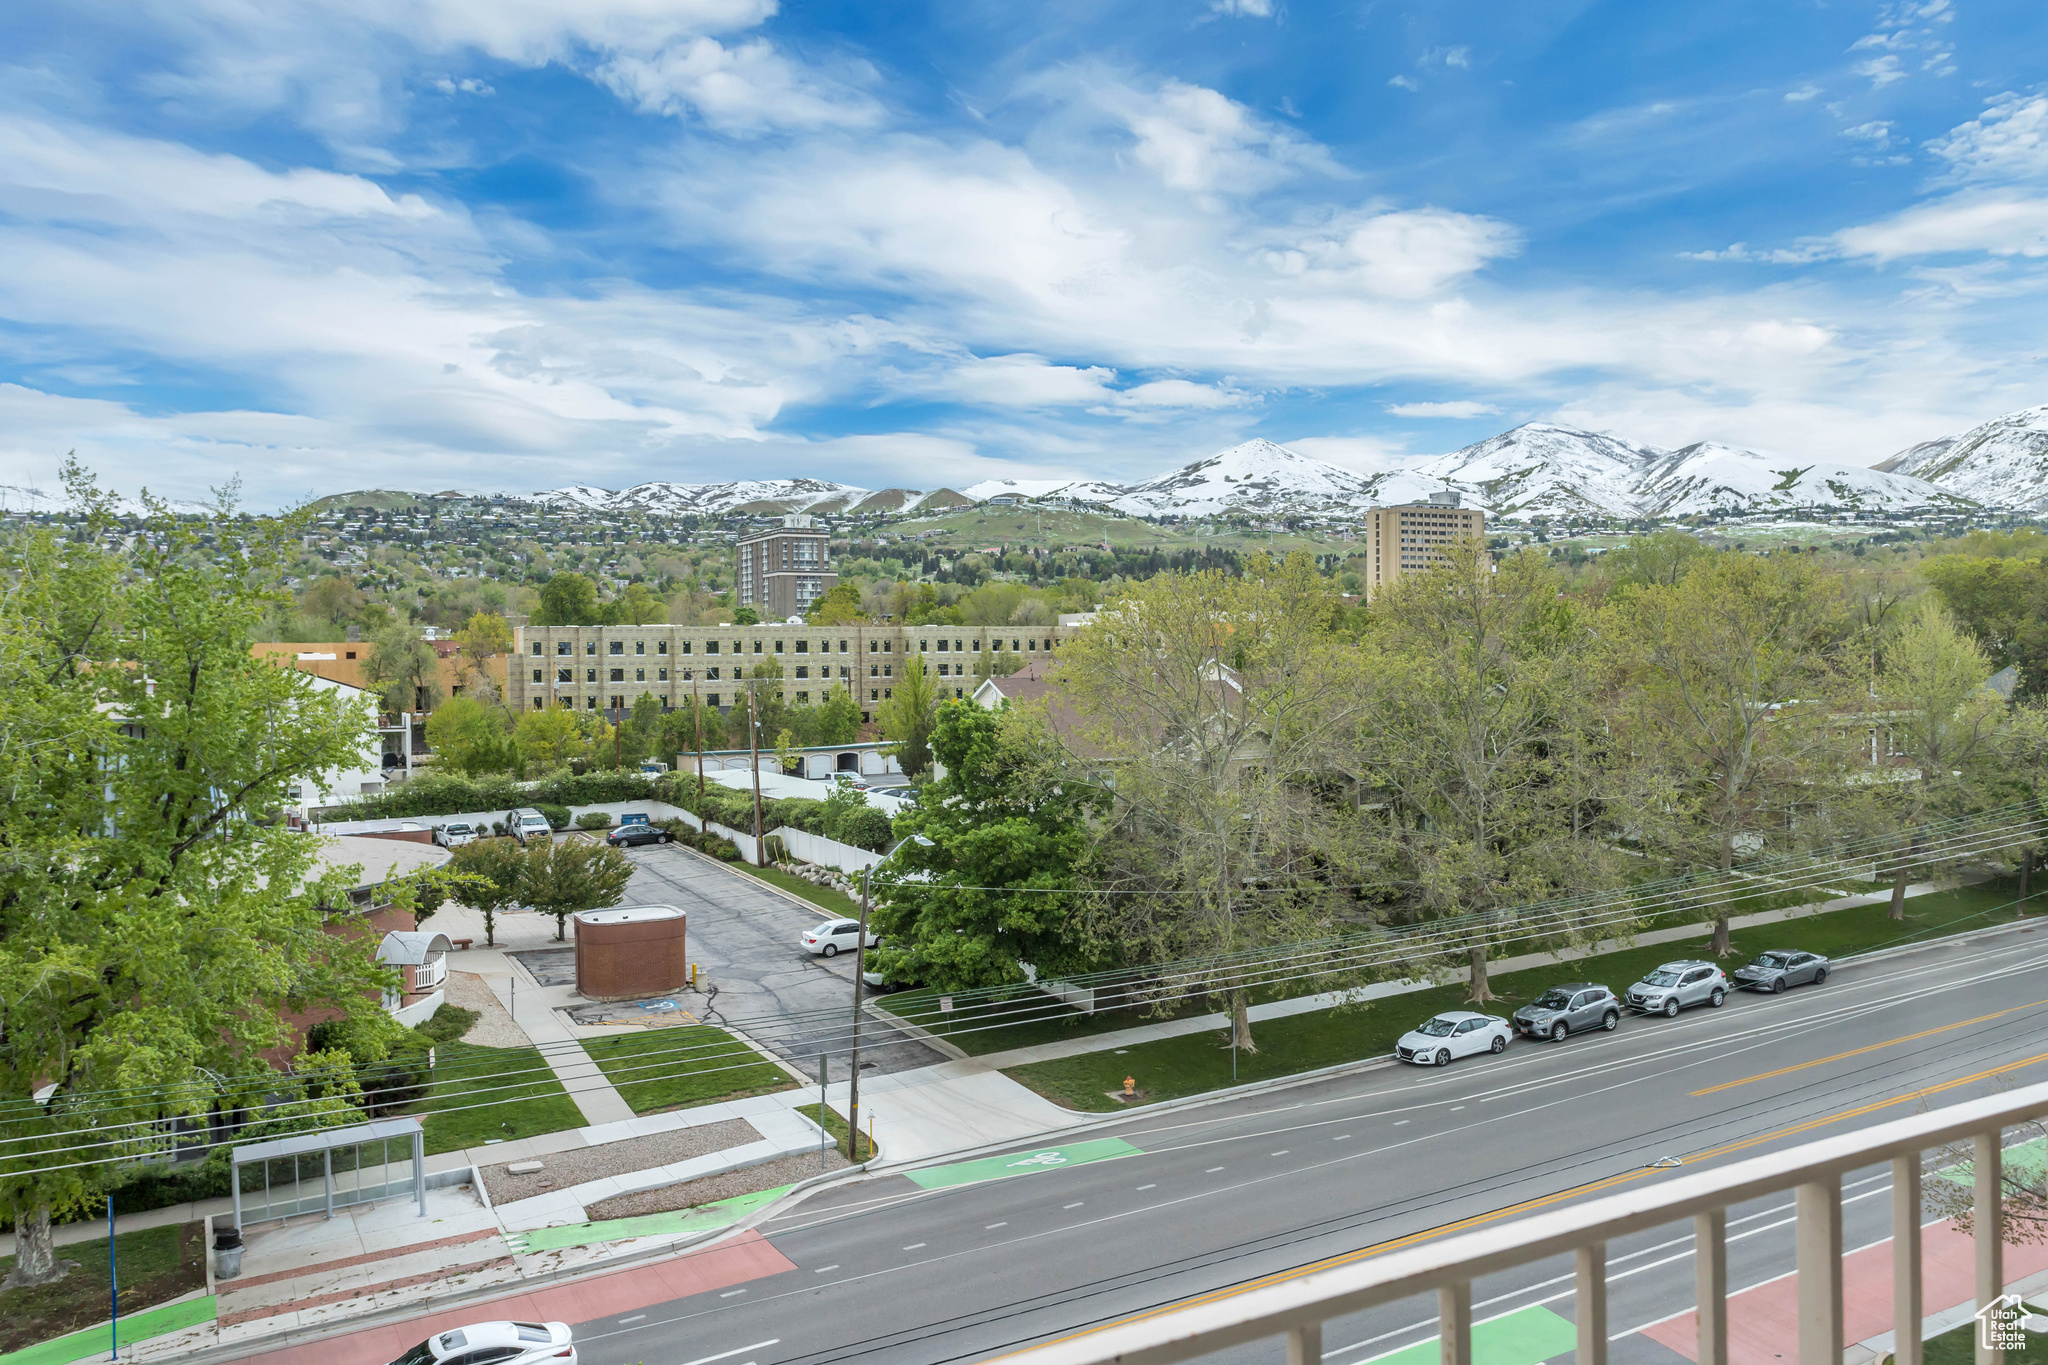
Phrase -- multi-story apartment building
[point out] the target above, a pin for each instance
(784, 569)
(1402, 539)
(608, 668)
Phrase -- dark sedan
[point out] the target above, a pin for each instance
(1774, 971)
(626, 836)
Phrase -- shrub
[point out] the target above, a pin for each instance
(865, 828)
(593, 819)
(725, 850)
(498, 828)
(774, 849)
(449, 1023)
(556, 816)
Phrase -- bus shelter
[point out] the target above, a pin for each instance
(355, 1166)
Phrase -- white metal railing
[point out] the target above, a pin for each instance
(427, 975)
(1296, 1304)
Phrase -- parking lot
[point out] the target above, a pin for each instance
(754, 976)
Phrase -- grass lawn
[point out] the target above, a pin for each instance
(523, 1097)
(155, 1264)
(1189, 1065)
(669, 1068)
(835, 1124)
(1958, 1346)
(834, 903)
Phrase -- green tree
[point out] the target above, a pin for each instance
(548, 738)
(484, 638)
(403, 668)
(334, 602)
(144, 975)
(561, 878)
(1941, 720)
(644, 728)
(1217, 705)
(836, 719)
(909, 716)
(2004, 604)
(491, 880)
(472, 737)
(1481, 693)
(786, 755)
(1008, 831)
(636, 606)
(1730, 684)
(1661, 557)
(568, 599)
(746, 616)
(839, 607)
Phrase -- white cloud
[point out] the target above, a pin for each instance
(1458, 408)
(1403, 253)
(1998, 224)
(1183, 394)
(1196, 139)
(1250, 9)
(1364, 454)
(2007, 142)
(1802, 94)
(1880, 71)
(746, 88)
(1025, 381)
(1405, 83)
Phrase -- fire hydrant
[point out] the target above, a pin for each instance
(1130, 1087)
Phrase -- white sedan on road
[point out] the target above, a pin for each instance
(496, 1343)
(1454, 1033)
(835, 936)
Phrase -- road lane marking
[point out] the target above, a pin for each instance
(637, 1317)
(1021, 1163)
(1341, 1137)
(1528, 1205)
(819, 1271)
(1399, 1122)
(1281, 1152)
(1153, 1186)
(913, 1246)
(1075, 1205)
(1859, 1051)
(735, 1351)
(732, 1293)
(1212, 1170)
(990, 1227)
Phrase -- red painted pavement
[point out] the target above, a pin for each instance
(1763, 1321)
(747, 1257)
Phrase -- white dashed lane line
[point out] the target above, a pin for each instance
(913, 1246)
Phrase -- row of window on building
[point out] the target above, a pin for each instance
(1018, 645)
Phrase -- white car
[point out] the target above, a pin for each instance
(849, 780)
(834, 936)
(1454, 1033)
(496, 1343)
(454, 834)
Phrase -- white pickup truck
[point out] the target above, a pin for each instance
(454, 834)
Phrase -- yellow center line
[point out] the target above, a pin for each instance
(1528, 1205)
(1859, 1051)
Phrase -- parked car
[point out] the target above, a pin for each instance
(1567, 1009)
(880, 984)
(627, 836)
(1779, 968)
(454, 834)
(496, 1343)
(834, 936)
(526, 824)
(1454, 1033)
(853, 780)
(1676, 985)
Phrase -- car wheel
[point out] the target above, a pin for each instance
(1671, 1008)
(1718, 998)
(668, 839)
(1778, 985)
(1443, 1056)
(1820, 978)
(1558, 1031)
(1611, 1020)
(831, 950)
(1500, 1044)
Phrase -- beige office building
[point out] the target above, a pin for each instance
(608, 668)
(784, 569)
(1400, 540)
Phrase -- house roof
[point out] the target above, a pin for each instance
(411, 947)
(382, 860)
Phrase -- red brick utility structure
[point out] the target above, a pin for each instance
(630, 952)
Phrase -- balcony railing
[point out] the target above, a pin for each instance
(429, 975)
(1297, 1308)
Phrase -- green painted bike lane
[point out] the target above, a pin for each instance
(1021, 1163)
(1527, 1336)
(703, 1218)
(151, 1322)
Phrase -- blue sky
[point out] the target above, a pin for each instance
(513, 244)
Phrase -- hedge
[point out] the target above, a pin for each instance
(451, 794)
(593, 819)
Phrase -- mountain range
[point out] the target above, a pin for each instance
(1535, 470)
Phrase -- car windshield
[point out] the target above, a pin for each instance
(1663, 976)
(1553, 1000)
(1771, 960)
(422, 1354)
(1438, 1028)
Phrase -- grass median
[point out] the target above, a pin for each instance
(155, 1264)
(683, 1065)
(1192, 1064)
(835, 903)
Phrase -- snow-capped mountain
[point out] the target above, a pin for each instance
(2002, 462)
(1257, 476)
(713, 499)
(1543, 470)
(1708, 477)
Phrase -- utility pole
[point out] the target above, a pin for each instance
(697, 710)
(754, 752)
(860, 961)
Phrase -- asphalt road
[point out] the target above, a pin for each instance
(754, 975)
(1214, 1196)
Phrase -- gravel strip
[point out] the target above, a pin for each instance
(560, 1170)
(494, 1027)
(712, 1188)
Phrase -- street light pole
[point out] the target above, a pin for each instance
(754, 752)
(860, 958)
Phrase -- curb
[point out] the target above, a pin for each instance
(218, 1355)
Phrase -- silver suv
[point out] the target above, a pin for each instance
(1569, 1008)
(1676, 985)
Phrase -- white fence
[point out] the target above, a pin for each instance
(816, 848)
(1297, 1309)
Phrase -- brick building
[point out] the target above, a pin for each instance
(784, 569)
(1401, 539)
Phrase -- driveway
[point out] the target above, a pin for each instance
(754, 977)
